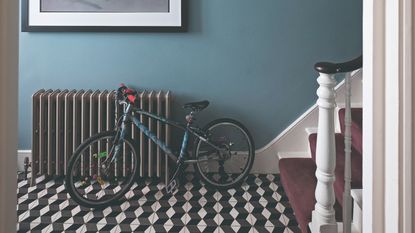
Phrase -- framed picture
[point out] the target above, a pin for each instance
(102, 15)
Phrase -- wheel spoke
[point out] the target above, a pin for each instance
(228, 166)
(99, 183)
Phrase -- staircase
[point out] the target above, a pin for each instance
(299, 175)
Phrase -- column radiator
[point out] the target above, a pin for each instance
(63, 119)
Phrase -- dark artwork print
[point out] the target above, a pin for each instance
(104, 6)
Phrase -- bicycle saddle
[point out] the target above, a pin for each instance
(196, 106)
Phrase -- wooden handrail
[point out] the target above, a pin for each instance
(333, 68)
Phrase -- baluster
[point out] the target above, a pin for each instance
(347, 199)
(323, 216)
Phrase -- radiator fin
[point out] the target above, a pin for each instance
(63, 119)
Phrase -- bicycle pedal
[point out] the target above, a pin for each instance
(172, 186)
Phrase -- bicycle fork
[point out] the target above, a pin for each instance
(115, 149)
(174, 181)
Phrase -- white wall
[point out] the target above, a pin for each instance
(8, 115)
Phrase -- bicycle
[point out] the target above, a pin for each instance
(223, 154)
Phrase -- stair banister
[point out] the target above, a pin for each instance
(323, 216)
(347, 198)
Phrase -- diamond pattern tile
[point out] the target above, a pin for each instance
(258, 205)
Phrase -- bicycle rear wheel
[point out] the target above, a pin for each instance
(101, 170)
(229, 161)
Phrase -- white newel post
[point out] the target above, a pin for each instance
(323, 216)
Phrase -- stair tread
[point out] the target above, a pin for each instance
(356, 126)
(299, 182)
(357, 196)
(356, 163)
(298, 174)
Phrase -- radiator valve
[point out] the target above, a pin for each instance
(27, 164)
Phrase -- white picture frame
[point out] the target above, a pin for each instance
(33, 19)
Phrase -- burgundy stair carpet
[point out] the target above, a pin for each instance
(339, 170)
(356, 127)
(298, 174)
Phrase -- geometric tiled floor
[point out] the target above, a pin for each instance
(259, 205)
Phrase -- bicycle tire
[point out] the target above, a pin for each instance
(69, 182)
(251, 155)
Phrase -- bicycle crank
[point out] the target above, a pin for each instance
(174, 181)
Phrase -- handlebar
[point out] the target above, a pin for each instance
(126, 94)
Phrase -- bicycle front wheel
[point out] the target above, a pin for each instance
(226, 158)
(101, 170)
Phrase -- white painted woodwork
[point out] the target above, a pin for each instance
(411, 63)
(392, 116)
(286, 155)
(9, 37)
(357, 209)
(340, 228)
(347, 199)
(387, 116)
(407, 109)
(323, 215)
(413, 128)
(293, 140)
(373, 115)
(311, 130)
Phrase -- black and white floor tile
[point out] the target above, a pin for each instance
(259, 205)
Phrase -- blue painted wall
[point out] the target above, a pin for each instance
(252, 59)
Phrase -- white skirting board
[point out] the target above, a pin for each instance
(265, 161)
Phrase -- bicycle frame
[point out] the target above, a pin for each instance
(188, 130)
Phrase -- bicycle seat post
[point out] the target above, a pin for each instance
(190, 118)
